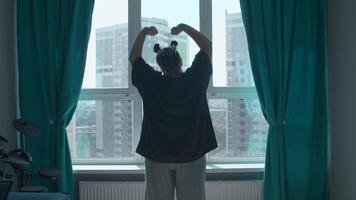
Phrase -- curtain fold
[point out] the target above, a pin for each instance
(288, 57)
(52, 44)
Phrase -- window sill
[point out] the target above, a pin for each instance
(139, 169)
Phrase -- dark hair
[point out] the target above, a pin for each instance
(168, 58)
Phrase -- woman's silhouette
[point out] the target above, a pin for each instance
(177, 130)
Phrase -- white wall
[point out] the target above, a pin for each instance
(7, 70)
(342, 98)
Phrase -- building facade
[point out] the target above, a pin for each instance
(247, 128)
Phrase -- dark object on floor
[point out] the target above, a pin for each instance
(5, 187)
(33, 189)
(30, 129)
(37, 196)
(50, 173)
(3, 142)
(2, 139)
(20, 160)
(26, 127)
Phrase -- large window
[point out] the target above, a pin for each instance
(106, 126)
(107, 64)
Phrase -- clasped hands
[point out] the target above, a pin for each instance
(152, 31)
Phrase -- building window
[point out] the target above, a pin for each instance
(107, 123)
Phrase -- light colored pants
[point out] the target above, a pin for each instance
(188, 179)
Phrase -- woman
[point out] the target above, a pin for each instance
(177, 130)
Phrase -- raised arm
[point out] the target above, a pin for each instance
(203, 42)
(136, 50)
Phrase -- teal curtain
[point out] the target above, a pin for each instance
(52, 43)
(288, 57)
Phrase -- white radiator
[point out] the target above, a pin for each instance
(215, 190)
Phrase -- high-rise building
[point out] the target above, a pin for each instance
(258, 133)
(112, 56)
(81, 131)
(246, 126)
(113, 117)
(238, 65)
(72, 136)
(218, 113)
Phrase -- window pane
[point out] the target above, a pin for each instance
(170, 14)
(240, 128)
(107, 57)
(102, 129)
(230, 53)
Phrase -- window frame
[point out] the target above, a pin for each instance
(131, 93)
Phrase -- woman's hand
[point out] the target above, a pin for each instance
(152, 31)
(177, 29)
(203, 42)
(136, 50)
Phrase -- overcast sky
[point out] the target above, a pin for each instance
(110, 12)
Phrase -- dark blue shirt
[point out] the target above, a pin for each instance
(176, 124)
